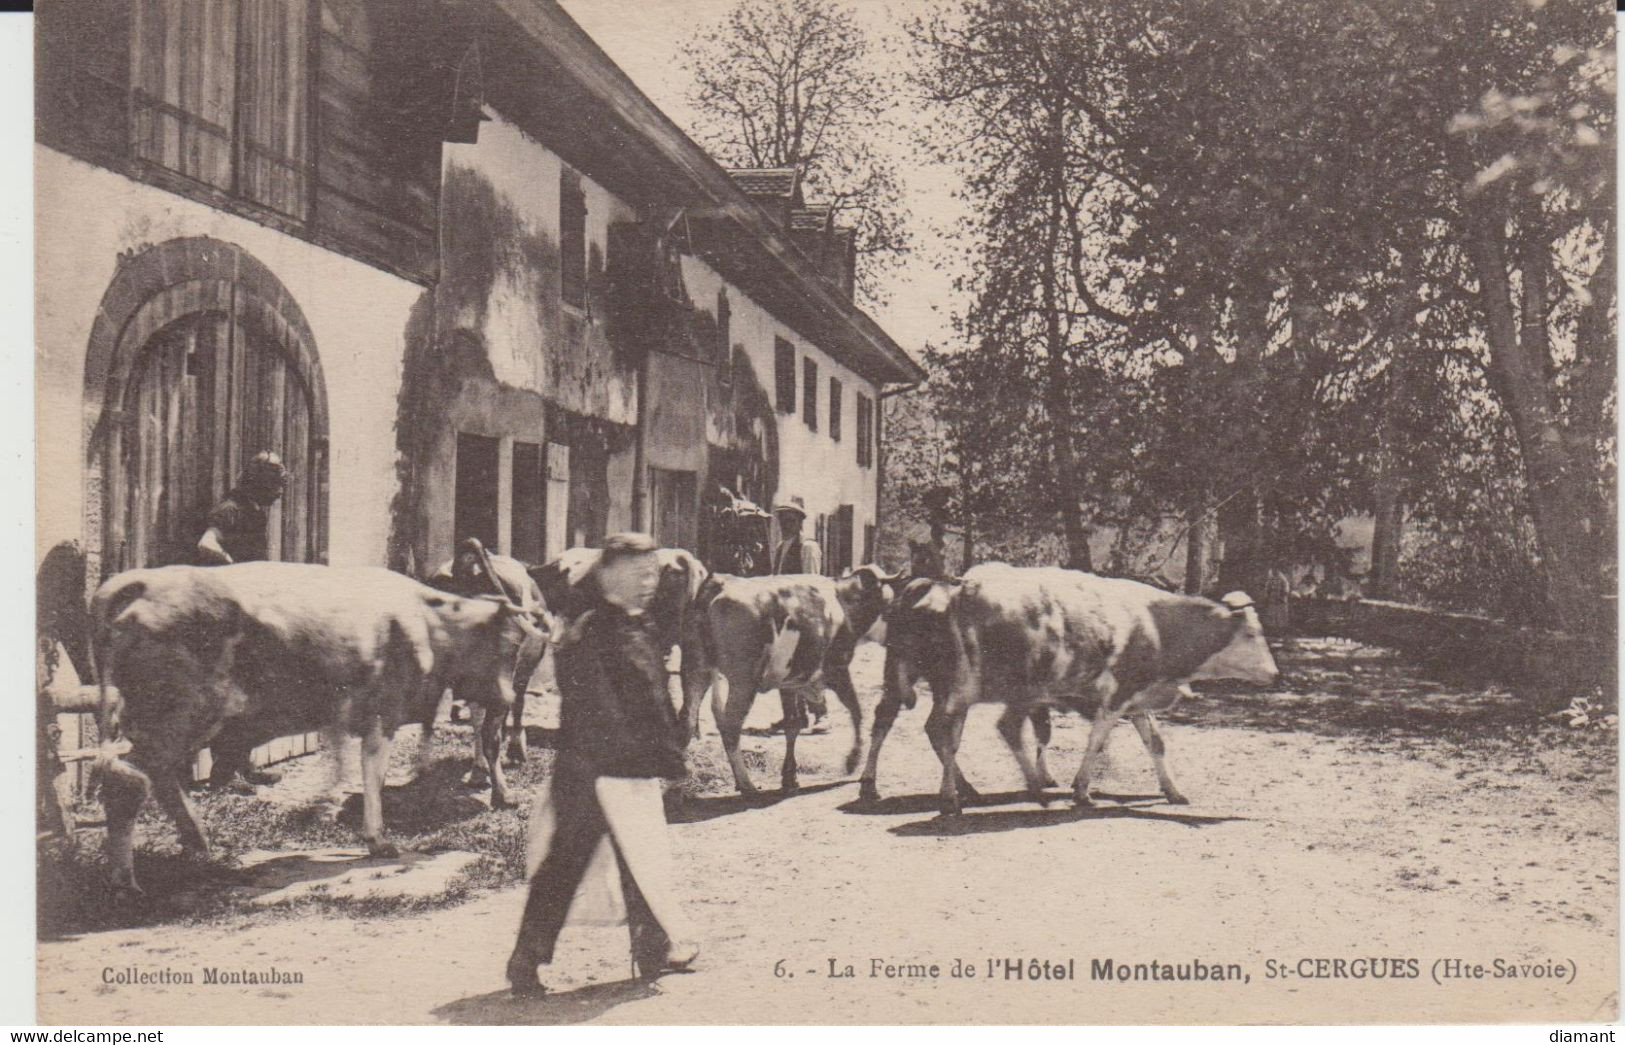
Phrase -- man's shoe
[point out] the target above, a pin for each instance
(522, 977)
(681, 955)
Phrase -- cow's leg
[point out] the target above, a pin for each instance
(1147, 727)
(124, 790)
(1010, 723)
(490, 737)
(1099, 733)
(839, 677)
(944, 730)
(730, 707)
(171, 796)
(530, 658)
(374, 761)
(479, 774)
(794, 705)
(1042, 731)
(333, 741)
(885, 715)
(696, 678)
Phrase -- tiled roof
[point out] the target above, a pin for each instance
(766, 181)
(812, 219)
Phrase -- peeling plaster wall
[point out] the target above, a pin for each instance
(811, 465)
(500, 273)
(358, 317)
(511, 360)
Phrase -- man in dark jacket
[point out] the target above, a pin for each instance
(616, 727)
(237, 532)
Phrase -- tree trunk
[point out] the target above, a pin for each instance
(1196, 549)
(1556, 488)
(1385, 538)
(1057, 394)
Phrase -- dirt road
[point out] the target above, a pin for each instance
(1357, 813)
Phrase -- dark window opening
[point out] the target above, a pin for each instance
(866, 409)
(809, 393)
(475, 513)
(784, 375)
(529, 529)
(835, 409)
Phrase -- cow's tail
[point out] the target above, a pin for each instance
(705, 593)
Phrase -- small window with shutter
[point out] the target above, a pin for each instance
(809, 392)
(784, 375)
(835, 409)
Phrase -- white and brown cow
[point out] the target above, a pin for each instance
(281, 648)
(1028, 637)
(794, 633)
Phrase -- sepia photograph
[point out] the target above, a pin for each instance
(809, 512)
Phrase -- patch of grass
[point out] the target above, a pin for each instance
(435, 812)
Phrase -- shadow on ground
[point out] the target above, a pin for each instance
(1016, 819)
(694, 810)
(1333, 687)
(502, 1009)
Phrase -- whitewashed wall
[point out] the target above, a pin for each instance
(357, 315)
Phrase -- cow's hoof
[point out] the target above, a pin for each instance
(503, 802)
(1177, 799)
(517, 754)
(868, 792)
(1082, 800)
(853, 757)
(124, 888)
(1047, 781)
(384, 850)
(478, 780)
(789, 785)
(1037, 795)
(950, 806)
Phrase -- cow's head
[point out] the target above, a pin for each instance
(1245, 655)
(921, 641)
(865, 592)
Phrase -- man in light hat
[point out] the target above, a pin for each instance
(795, 553)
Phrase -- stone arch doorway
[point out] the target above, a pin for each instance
(199, 360)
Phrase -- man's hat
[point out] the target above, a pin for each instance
(793, 504)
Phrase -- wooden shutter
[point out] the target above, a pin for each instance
(809, 392)
(784, 375)
(183, 85)
(835, 409)
(274, 92)
(557, 503)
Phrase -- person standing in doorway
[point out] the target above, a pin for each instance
(798, 554)
(618, 740)
(795, 553)
(237, 532)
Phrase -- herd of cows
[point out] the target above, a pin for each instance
(270, 649)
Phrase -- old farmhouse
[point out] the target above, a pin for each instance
(447, 259)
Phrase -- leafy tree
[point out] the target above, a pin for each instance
(794, 83)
